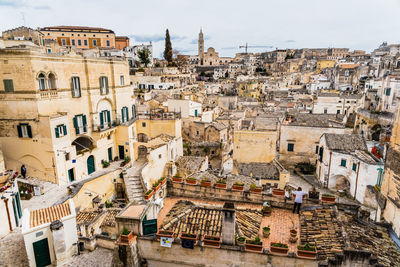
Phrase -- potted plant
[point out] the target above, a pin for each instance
(191, 181)
(266, 231)
(205, 182)
(279, 248)
(189, 236)
(238, 186)
(307, 251)
(177, 179)
(313, 194)
(126, 236)
(165, 233)
(255, 189)
(220, 183)
(162, 181)
(241, 240)
(156, 185)
(328, 198)
(278, 192)
(211, 241)
(267, 210)
(149, 194)
(253, 245)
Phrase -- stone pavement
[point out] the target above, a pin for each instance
(12, 250)
(100, 257)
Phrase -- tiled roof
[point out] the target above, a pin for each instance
(345, 142)
(189, 218)
(50, 214)
(248, 223)
(109, 220)
(86, 217)
(317, 120)
(76, 28)
(190, 163)
(321, 227)
(259, 170)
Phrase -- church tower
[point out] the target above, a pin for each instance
(201, 47)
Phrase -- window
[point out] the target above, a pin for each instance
(42, 82)
(143, 124)
(8, 85)
(159, 156)
(197, 133)
(387, 91)
(340, 101)
(63, 42)
(346, 73)
(80, 124)
(343, 163)
(61, 130)
(76, 87)
(51, 81)
(316, 149)
(133, 111)
(108, 43)
(142, 86)
(354, 168)
(94, 43)
(290, 147)
(103, 85)
(67, 156)
(24, 130)
(122, 80)
(73, 41)
(325, 110)
(338, 111)
(124, 114)
(79, 42)
(85, 42)
(105, 119)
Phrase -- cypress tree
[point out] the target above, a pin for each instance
(168, 48)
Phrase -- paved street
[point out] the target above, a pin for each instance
(100, 257)
(12, 250)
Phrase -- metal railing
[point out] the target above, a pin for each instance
(105, 126)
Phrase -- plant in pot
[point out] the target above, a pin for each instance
(266, 231)
(307, 251)
(241, 240)
(162, 181)
(328, 198)
(191, 181)
(126, 236)
(148, 194)
(165, 233)
(177, 179)
(211, 241)
(156, 185)
(278, 192)
(267, 209)
(189, 236)
(205, 182)
(293, 233)
(254, 245)
(279, 248)
(220, 183)
(238, 186)
(255, 189)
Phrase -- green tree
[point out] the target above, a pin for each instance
(144, 56)
(168, 48)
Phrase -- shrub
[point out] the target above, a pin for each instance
(239, 183)
(155, 184)
(241, 239)
(306, 167)
(109, 204)
(307, 247)
(105, 163)
(266, 228)
(149, 192)
(125, 231)
(205, 179)
(221, 181)
(191, 179)
(279, 245)
(256, 241)
(127, 159)
(327, 195)
(253, 186)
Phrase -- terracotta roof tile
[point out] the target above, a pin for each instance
(50, 214)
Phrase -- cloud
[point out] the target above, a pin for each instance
(42, 7)
(10, 3)
(290, 41)
(155, 37)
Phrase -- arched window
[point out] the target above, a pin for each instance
(42, 81)
(52, 81)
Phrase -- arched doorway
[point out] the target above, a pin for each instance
(142, 152)
(90, 164)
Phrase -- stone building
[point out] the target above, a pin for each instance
(61, 114)
(24, 33)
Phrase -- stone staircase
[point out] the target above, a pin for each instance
(134, 188)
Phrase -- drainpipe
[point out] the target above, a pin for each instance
(329, 169)
(358, 170)
(8, 214)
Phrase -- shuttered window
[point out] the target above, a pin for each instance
(8, 85)
(76, 87)
(80, 124)
(24, 130)
(103, 80)
(60, 130)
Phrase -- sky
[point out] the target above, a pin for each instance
(226, 24)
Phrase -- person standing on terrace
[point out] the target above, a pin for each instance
(298, 199)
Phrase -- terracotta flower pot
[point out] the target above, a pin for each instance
(126, 239)
(221, 186)
(211, 241)
(155, 189)
(307, 254)
(148, 196)
(163, 182)
(191, 181)
(165, 233)
(237, 187)
(256, 190)
(205, 183)
(186, 236)
(278, 192)
(278, 250)
(253, 247)
(178, 180)
(328, 199)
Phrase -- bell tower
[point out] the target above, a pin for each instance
(201, 47)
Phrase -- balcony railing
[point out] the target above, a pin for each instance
(105, 126)
(46, 94)
(159, 116)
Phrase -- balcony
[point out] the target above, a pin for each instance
(105, 127)
(159, 116)
(48, 94)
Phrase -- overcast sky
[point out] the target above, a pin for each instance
(357, 24)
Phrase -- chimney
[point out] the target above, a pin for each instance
(228, 224)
